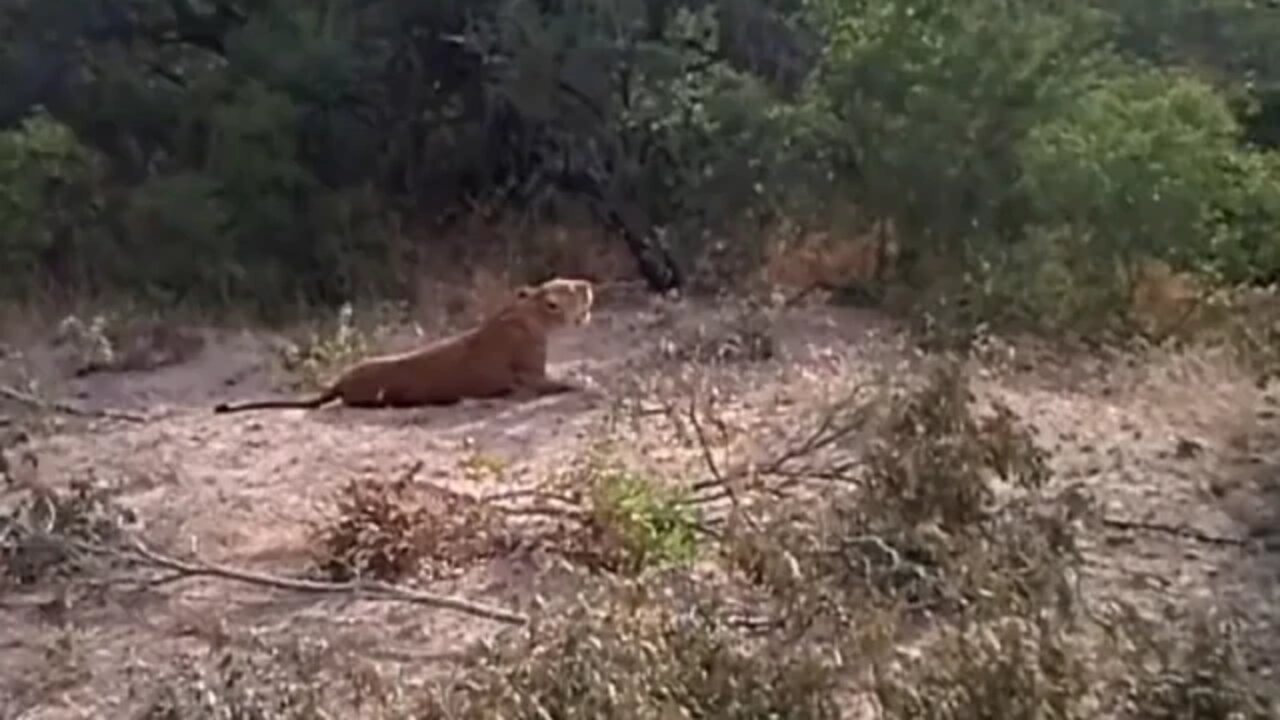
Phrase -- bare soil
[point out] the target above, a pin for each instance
(1173, 440)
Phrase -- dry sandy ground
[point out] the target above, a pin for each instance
(1172, 440)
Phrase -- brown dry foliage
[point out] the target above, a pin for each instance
(261, 680)
(1163, 301)
(1201, 675)
(922, 527)
(401, 529)
(41, 534)
(632, 652)
(934, 459)
(1014, 669)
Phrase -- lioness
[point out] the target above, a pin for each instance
(506, 355)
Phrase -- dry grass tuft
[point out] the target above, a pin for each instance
(321, 354)
(297, 679)
(42, 534)
(1014, 668)
(826, 261)
(108, 342)
(635, 652)
(1200, 674)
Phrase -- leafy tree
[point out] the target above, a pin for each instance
(934, 97)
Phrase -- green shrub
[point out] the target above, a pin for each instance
(49, 184)
(176, 221)
(933, 99)
(1135, 167)
(638, 523)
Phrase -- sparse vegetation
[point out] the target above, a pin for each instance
(631, 653)
(1043, 493)
(109, 343)
(323, 354)
(937, 577)
(282, 681)
(1200, 675)
(44, 534)
(1017, 668)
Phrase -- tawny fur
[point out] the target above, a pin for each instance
(505, 356)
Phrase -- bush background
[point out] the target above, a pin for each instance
(257, 155)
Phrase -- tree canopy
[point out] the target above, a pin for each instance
(266, 148)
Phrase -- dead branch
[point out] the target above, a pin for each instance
(530, 493)
(1175, 530)
(833, 427)
(708, 456)
(66, 408)
(137, 553)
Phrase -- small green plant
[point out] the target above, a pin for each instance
(482, 466)
(315, 361)
(628, 521)
(640, 523)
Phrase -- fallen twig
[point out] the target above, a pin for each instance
(708, 456)
(530, 493)
(32, 401)
(1178, 531)
(139, 554)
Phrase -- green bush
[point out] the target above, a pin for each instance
(1024, 143)
(1147, 164)
(1135, 166)
(933, 99)
(176, 221)
(48, 202)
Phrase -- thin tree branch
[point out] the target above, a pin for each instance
(66, 408)
(138, 553)
(1175, 530)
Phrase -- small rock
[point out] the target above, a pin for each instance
(1187, 449)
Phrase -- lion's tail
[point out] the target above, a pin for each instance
(314, 402)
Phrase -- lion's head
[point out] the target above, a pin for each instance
(558, 301)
